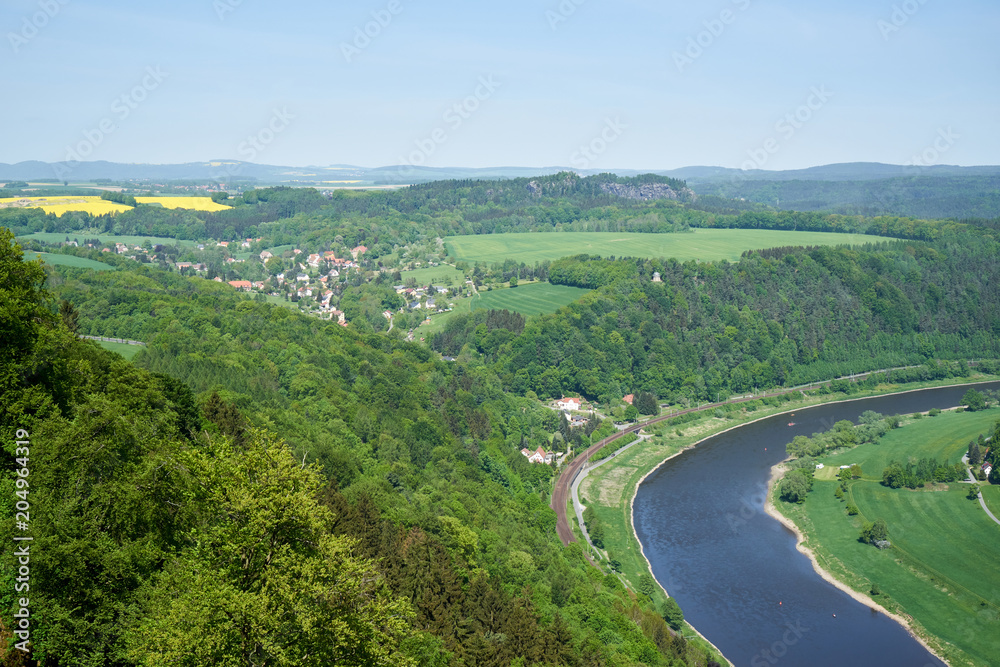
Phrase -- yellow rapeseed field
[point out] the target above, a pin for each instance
(98, 206)
(61, 205)
(193, 203)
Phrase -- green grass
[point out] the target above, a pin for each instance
(991, 494)
(942, 567)
(946, 436)
(279, 250)
(437, 275)
(127, 351)
(700, 245)
(106, 239)
(439, 320)
(280, 301)
(530, 299)
(67, 260)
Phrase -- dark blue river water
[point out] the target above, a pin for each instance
(702, 525)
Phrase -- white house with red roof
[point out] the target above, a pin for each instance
(567, 404)
(629, 398)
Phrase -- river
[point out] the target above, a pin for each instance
(735, 571)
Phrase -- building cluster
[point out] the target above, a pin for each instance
(422, 297)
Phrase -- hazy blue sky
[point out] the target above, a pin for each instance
(775, 84)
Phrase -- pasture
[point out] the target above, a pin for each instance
(529, 299)
(438, 275)
(124, 349)
(106, 239)
(701, 244)
(192, 203)
(941, 569)
(946, 437)
(67, 260)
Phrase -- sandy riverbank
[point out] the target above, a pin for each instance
(776, 473)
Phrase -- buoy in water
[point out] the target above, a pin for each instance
(835, 616)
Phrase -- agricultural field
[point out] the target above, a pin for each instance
(530, 299)
(942, 566)
(107, 239)
(700, 245)
(67, 260)
(62, 205)
(193, 203)
(438, 275)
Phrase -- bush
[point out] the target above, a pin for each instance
(875, 590)
(672, 614)
(934, 412)
(918, 415)
(852, 510)
(875, 533)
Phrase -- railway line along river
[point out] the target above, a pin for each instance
(735, 571)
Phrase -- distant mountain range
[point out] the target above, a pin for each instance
(855, 188)
(341, 175)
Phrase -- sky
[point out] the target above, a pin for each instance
(586, 84)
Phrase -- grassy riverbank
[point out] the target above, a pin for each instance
(940, 574)
(611, 488)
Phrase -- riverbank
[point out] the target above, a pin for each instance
(800, 544)
(613, 488)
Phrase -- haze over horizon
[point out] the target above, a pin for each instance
(578, 83)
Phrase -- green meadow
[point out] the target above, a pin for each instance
(700, 244)
(67, 260)
(438, 275)
(124, 349)
(941, 569)
(530, 299)
(107, 239)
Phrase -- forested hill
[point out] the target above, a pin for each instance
(385, 220)
(778, 317)
(260, 483)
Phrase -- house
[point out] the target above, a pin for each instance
(329, 255)
(241, 285)
(266, 255)
(656, 277)
(183, 265)
(358, 250)
(222, 244)
(567, 404)
(302, 278)
(987, 468)
(629, 398)
(538, 456)
(313, 260)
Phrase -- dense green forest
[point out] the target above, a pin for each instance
(780, 317)
(262, 488)
(919, 195)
